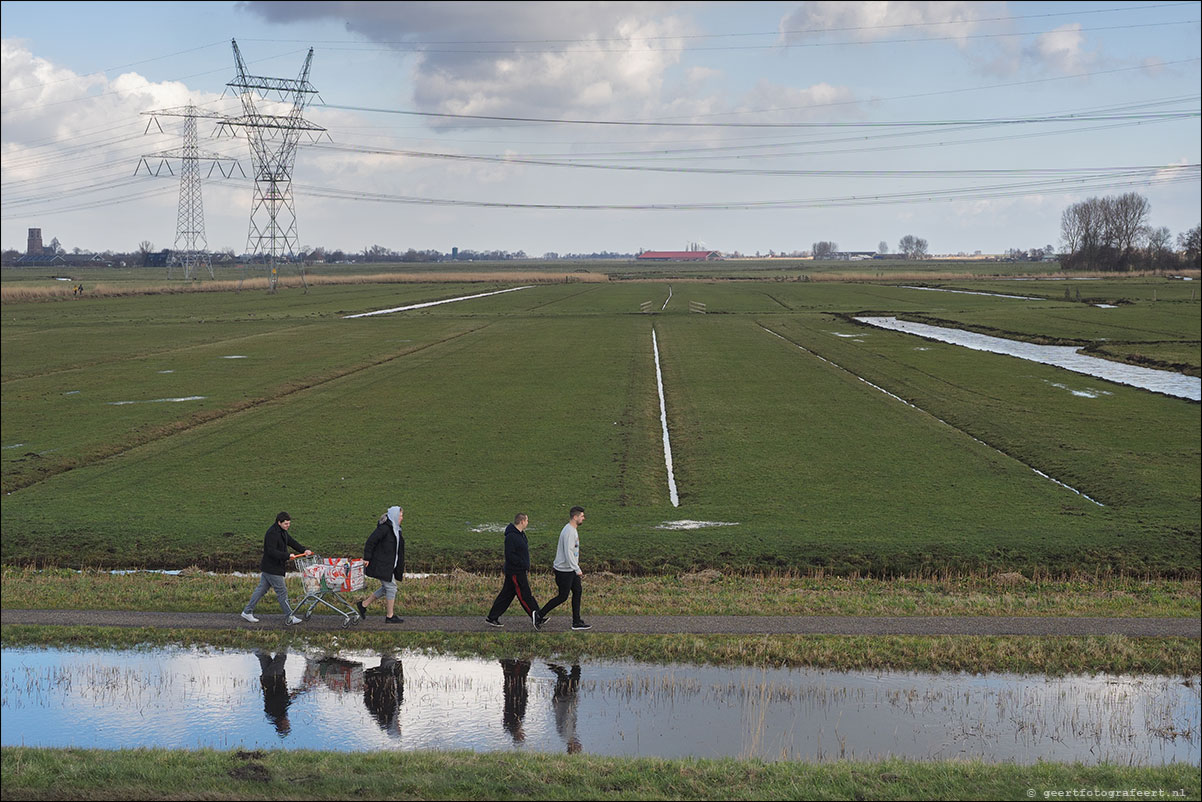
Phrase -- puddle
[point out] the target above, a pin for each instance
(1088, 393)
(495, 529)
(158, 401)
(72, 392)
(1067, 357)
(14, 445)
(224, 699)
(687, 524)
(234, 356)
(166, 371)
(847, 336)
(974, 292)
(1105, 306)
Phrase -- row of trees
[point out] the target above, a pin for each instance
(1113, 233)
(909, 246)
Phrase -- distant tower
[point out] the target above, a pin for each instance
(273, 142)
(191, 244)
(34, 247)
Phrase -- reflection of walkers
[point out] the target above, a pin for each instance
(515, 673)
(274, 682)
(276, 543)
(385, 556)
(383, 692)
(564, 702)
(567, 571)
(517, 567)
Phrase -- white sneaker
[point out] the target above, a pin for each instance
(250, 617)
(294, 620)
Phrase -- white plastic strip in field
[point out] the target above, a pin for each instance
(435, 303)
(663, 422)
(665, 306)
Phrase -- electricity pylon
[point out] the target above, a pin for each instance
(273, 142)
(191, 245)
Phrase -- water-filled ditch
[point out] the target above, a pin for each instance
(191, 698)
(1067, 357)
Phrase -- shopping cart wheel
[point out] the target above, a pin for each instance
(308, 614)
(346, 622)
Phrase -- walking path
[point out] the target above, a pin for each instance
(648, 624)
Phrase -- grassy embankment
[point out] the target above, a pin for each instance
(543, 398)
(279, 774)
(698, 594)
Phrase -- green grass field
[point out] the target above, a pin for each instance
(540, 399)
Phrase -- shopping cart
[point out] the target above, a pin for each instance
(325, 579)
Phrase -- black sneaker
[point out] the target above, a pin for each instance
(492, 622)
(580, 626)
(534, 620)
(393, 619)
(362, 610)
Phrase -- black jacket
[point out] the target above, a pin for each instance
(380, 550)
(275, 550)
(517, 551)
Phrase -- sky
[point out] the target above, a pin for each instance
(583, 127)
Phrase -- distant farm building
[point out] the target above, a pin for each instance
(680, 256)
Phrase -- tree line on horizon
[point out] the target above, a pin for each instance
(1113, 234)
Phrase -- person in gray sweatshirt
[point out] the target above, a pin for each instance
(567, 571)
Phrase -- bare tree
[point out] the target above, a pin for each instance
(912, 247)
(882, 247)
(824, 249)
(1126, 217)
(1190, 244)
(1160, 247)
(145, 247)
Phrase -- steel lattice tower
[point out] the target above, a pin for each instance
(273, 142)
(191, 244)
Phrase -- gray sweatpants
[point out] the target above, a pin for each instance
(266, 583)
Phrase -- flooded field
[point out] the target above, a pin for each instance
(189, 698)
(1067, 357)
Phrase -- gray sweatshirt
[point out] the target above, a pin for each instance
(567, 556)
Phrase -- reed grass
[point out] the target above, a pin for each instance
(61, 774)
(17, 294)
(1032, 655)
(696, 593)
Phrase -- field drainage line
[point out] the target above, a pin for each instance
(665, 306)
(663, 422)
(1032, 468)
(435, 303)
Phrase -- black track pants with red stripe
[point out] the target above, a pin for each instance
(516, 586)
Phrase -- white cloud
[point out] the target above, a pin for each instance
(1061, 50)
(517, 59)
(870, 21)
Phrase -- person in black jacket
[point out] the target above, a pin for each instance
(517, 565)
(385, 556)
(276, 543)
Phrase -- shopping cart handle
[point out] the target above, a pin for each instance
(306, 554)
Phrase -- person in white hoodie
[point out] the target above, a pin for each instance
(385, 556)
(567, 571)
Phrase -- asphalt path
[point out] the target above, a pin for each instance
(646, 624)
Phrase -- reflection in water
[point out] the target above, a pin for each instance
(383, 692)
(276, 697)
(220, 699)
(515, 673)
(565, 701)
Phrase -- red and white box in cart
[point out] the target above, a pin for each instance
(343, 574)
